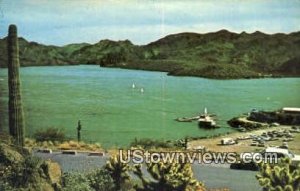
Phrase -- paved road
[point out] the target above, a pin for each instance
(213, 176)
(218, 177)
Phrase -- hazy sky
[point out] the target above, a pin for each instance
(60, 22)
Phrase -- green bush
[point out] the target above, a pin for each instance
(75, 182)
(4, 186)
(149, 143)
(100, 180)
(50, 134)
(23, 174)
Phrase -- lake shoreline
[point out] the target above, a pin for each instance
(210, 144)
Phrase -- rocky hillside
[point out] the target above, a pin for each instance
(35, 54)
(221, 54)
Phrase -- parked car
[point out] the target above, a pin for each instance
(254, 143)
(281, 152)
(288, 139)
(228, 141)
(289, 135)
(274, 124)
(274, 139)
(266, 138)
(295, 129)
(284, 145)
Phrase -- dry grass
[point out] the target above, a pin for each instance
(67, 145)
(211, 144)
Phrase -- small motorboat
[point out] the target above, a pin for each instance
(206, 121)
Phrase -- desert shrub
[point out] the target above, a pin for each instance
(75, 182)
(4, 186)
(168, 177)
(50, 134)
(24, 173)
(149, 143)
(281, 176)
(100, 180)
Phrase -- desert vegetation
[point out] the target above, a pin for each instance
(19, 170)
(279, 177)
(50, 134)
(147, 143)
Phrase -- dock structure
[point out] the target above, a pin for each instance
(187, 119)
(205, 120)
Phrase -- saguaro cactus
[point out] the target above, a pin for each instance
(16, 116)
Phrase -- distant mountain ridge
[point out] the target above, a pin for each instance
(221, 54)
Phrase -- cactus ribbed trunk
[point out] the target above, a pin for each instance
(16, 116)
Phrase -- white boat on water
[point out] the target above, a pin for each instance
(206, 121)
(133, 86)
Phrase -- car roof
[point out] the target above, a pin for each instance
(276, 150)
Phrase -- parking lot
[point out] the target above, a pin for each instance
(280, 136)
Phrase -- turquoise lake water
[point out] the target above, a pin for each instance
(114, 114)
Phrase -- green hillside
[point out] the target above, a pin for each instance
(221, 54)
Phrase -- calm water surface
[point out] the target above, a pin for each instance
(113, 113)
